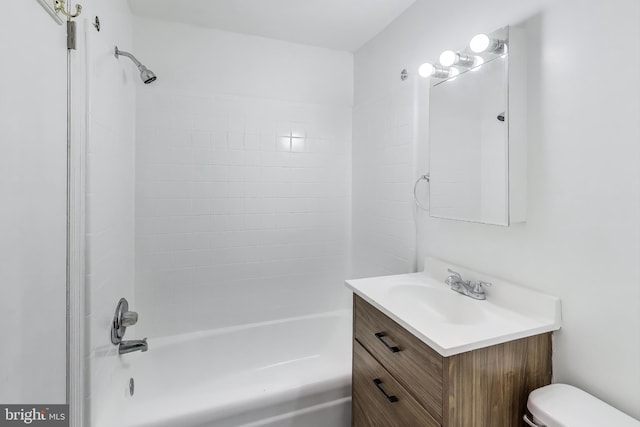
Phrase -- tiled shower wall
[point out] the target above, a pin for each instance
(241, 210)
(242, 179)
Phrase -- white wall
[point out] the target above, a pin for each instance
(33, 190)
(581, 241)
(32, 206)
(234, 222)
(198, 60)
(110, 188)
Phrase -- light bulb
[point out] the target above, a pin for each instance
(448, 58)
(480, 43)
(453, 72)
(483, 43)
(426, 70)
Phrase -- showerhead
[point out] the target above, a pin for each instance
(146, 75)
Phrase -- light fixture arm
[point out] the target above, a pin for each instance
(465, 60)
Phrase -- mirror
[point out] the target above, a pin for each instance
(471, 161)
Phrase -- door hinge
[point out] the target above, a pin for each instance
(71, 35)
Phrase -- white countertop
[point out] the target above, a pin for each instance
(452, 323)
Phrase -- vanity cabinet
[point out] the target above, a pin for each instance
(400, 381)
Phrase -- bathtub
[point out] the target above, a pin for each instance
(288, 373)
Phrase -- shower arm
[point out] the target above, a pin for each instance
(146, 75)
(128, 55)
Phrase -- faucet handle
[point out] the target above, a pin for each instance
(455, 273)
(477, 288)
(129, 318)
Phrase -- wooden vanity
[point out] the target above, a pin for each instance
(399, 381)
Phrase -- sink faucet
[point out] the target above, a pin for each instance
(133, 345)
(475, 291)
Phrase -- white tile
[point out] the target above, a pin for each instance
(203, 122)
(252, 158)
(219, 139)
(201, 139)
(283, 143)
(298, 145)
(268, 141)
(235, 140)
(252, 141)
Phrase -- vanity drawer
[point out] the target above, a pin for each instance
(416, 366)
(379, 400)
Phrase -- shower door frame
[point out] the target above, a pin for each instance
(78, 133)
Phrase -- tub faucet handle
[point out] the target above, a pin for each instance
(122, 319)
(129, 318)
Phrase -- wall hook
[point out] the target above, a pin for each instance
(59, 8)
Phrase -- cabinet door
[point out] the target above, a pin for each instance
(379, 400)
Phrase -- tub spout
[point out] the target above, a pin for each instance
(133, 345)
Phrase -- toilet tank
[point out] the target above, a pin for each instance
(562, 405)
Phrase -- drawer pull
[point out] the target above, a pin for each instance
(390, 397)
(380, 336)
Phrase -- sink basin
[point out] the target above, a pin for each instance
(440, 305)
(452, 323)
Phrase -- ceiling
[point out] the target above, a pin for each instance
(335, 24)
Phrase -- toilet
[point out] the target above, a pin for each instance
(562, 405)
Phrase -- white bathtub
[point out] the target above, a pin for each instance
(287, 373)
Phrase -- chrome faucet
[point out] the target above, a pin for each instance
(475, 291)
(133, 345)
(122, 319)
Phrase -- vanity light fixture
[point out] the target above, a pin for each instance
(449, 58)
(483, 43)
(427, 70)
(478, 63)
